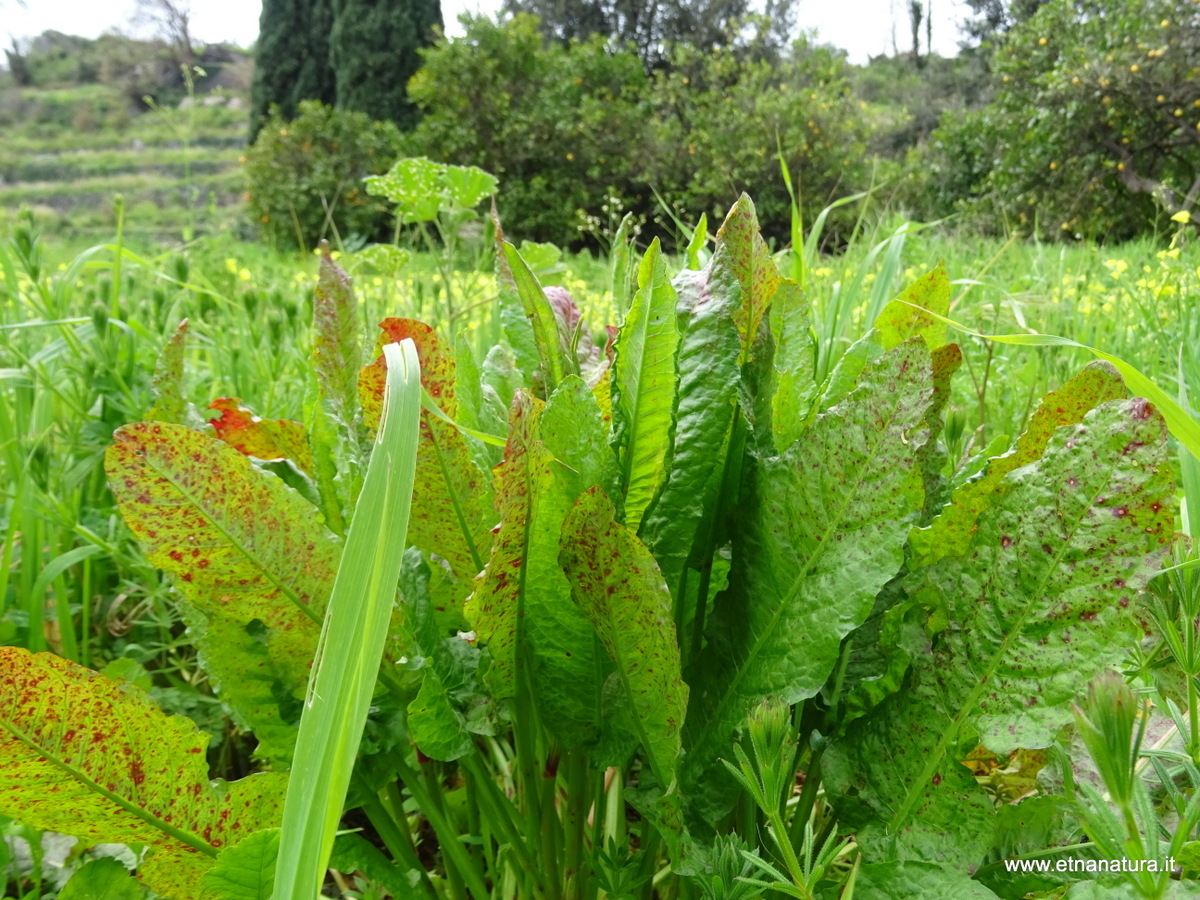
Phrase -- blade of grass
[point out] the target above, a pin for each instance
(355, 627)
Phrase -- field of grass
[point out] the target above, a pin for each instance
(81, 328)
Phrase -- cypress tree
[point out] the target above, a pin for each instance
(291, 58)
(373, 49)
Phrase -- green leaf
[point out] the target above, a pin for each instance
(515, 369)
(246, 550)
(952, 821)
(705, 406)
(265, 439)
(466, 186)
(478, 405)
(794, 362)
(354, 853)
(1043, 598)
(245, 871)
(102, 879)
(932, 456)
(823, 532)
(570, 668)
(416, 185)
(906, 880)
(644, 385)
(617, 584)
(555, 360)
(98, 760)
(337, 348)
(950, 533)
(744, 270)
(450, 705)
(167, 382)
(346, 665)
(452, 512)
(909, 314)
(555, 452)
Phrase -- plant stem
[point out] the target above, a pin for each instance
(397, 840)
(452, 848)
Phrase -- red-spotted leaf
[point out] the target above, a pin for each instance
(452, 512)
(496, 607)
(96, 759)
(618, 585)
(748, 273)
(1044, 596)
(906, 316)
(337, 350)
(249, 553)
(950, 533)
(266, 439)
(167, 382)
(521, 607)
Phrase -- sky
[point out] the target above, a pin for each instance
(862, 27)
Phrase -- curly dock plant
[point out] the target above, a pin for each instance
(623, 556)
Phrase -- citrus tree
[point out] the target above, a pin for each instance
(1095, 126)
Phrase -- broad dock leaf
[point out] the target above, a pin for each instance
(451, 705)
(96, 759)
(644, 385)
(950, 533)
(249, 553)
(822, 535)
(556, 362)
(932, 456)
(1041, 599)
(167, 382)
(795, 362)
(337, 347)
(746, 272)
(452, 513)
(705, 407)
(909, 314)
(555, 452)
(266, 439)
(497, 606)
(617, 584)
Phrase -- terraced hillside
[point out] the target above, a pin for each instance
(68, 152)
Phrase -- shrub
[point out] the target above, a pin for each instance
(304, 177)
(567, 127)
(558, 125)
(720, 123)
